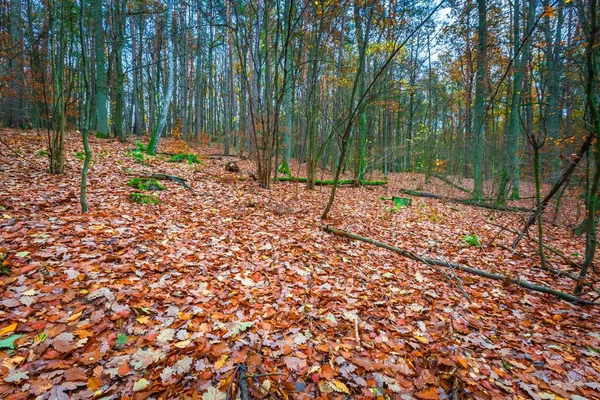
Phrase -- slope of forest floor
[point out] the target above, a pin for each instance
(133, 301)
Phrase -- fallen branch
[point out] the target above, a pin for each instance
(449, 182)
(173, 178)
(465, 201)
(322, 182)
(431, 261)
(551, 269)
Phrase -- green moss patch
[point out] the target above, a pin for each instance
(189, 158)
(144, 198)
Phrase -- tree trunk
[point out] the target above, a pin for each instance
(480, 95)
(591, 90)
(101, 110)
(161, 121)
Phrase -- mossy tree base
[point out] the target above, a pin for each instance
(144, 198)
(145, 184)
(320, 182)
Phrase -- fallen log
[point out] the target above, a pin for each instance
(449, 182)
(466, 201)
(324, 182)
(490, 275)
(172, 178)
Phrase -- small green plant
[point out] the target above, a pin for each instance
(189, 158)
(41, 153)
(284, 168)
(4, 269)
(140, 146)
(473, 239)
(395, 209)
(137, 155)
(121, 340)
(402, 201)
(143, 198)
(145, 184)
(80, 155)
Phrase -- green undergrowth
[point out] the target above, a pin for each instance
(399, 203)
(145, 184)
(189, 158)
(284, 169)
(139, 153)
(473, 240)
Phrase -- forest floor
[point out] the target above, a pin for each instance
(166, 301)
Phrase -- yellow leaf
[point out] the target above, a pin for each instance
(219, 364)
(185, 316)
(143, 320)
(420, 338)
(340, 386)
(75, 316)
(463, 361)
(9, 328)
(183, 344)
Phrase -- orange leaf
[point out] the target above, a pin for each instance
(327, 372)
(123, 369)
(463, 361)
(428, 394)
(94, 383)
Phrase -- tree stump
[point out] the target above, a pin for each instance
(232, 166)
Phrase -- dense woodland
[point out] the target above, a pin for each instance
(477, 119)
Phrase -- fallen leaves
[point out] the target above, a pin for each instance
(213, 394)
(175, 297)
(140, 385)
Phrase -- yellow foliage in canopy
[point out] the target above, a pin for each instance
(386, 47)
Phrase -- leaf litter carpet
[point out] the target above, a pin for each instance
(166, 301)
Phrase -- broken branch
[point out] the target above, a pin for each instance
(498, 277)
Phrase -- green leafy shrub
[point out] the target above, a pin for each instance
(140, 146)
(473, 239)
(284, 168)
(402, 201)
(143, 198)
(41, 153)
(80, 155)
(189, 158)
(145, 184)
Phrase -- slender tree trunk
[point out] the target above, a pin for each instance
(591, 91)
(86, 114)
(119, 27)
(538, 200)
(101, 109)
(161, 122)
(198, 80)
(480, 95)
(14, 111)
